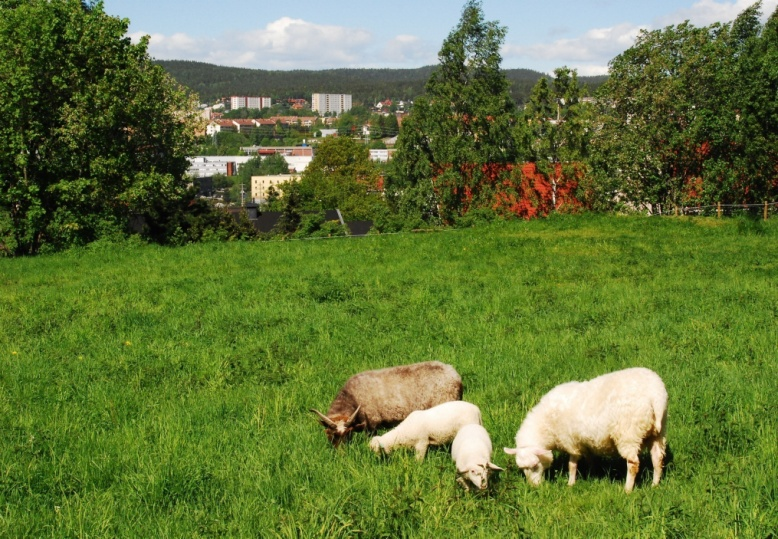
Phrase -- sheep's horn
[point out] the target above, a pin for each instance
(351, 419)
(324, 419)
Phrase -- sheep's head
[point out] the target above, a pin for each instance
(338, 428)
(533, 461)
(478, 475)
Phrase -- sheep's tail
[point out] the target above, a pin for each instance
(659, 403)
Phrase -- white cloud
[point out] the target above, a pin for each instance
(409, 50)
(706, 12)
(286, 43)
(589, 54)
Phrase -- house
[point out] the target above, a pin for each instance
(209, 165)
(260, 185)
(218, 126)
(381, 155)
(297, 104)
(245, 126)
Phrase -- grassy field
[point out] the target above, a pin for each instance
(153, 392)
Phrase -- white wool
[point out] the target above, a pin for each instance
(435, 426)
(616, 413)
(472, 453)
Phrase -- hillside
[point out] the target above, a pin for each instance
(365, 85)
(148, 391)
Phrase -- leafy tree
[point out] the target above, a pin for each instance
(689, 115)
(753, 116)
(464, 121)
(342, 176)
(556, 127)
(93, 133)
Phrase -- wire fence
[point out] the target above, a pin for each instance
(764, 210)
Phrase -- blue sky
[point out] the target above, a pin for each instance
(583, 34)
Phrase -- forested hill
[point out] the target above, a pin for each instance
(367, 86)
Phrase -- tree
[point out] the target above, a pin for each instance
(688, 115)
(557, 126)
(342, 176)
(93, 133)
(465, 121)
(753, 118)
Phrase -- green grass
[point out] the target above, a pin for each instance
(152, 392)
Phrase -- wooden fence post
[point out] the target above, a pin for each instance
(765, 210)
(718, 210)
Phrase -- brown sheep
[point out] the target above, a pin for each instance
(384, 397)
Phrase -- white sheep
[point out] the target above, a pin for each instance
(435, 426)
(620, 412)
(472, 453)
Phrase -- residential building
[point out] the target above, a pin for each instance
(297, 157)
(204, 166)
(261, 184)
(217, 126)
(337, 103)
(381, 155)
(297, 104)
(246, 102)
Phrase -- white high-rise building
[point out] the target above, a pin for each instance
(243, 102)
(337, 103)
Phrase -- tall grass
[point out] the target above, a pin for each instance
(152, 392)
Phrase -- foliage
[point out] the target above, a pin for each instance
(688, 115)
(465, 120)
(154, 392)
(313, 225)
(556, 126)
(367, 86)
(93, 132)
(341, 175)
(263, 166)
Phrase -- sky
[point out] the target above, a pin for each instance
(543, 35)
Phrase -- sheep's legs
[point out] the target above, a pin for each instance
(421, 450)
(657, 457)
(633, 465)
(572, 467)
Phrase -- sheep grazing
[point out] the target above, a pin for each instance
(472, 453)
(385, 397)
(422, 428)
(620, 412)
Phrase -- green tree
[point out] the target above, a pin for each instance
(93, 133)
(688, 115)
(752, 119)
(464, 121)
(556, 127)
(341, 176)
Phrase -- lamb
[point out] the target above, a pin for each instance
(422, 428)
(472, 453)
(620, 412)
(385, 397)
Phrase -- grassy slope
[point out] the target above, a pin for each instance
(157, 392)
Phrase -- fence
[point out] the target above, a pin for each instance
(720, 210)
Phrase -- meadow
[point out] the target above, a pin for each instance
(157, 392)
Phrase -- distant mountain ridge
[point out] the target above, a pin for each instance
(367, 86)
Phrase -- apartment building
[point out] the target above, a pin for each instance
(337, 103)
(246, 102)
(260, 185)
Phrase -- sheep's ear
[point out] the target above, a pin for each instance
(493, 466)
(545, 456)
(510, 450)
